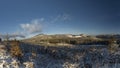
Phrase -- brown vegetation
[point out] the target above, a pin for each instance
(15, 49)
(112, 44)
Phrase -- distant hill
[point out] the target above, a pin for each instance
(60, 39)
(108, 36)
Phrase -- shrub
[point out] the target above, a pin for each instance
(15, 50)
(112, 44)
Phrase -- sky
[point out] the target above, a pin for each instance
(59, 16)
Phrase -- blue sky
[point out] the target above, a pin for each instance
(59, 16)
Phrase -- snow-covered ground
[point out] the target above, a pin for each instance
(63, 58)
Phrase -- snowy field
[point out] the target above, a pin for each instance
(80, 57)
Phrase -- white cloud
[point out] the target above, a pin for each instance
(33, 27)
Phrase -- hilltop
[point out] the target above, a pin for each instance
(62, 39)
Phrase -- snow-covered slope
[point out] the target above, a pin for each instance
(62, 58)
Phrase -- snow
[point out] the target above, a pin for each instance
(68, 58)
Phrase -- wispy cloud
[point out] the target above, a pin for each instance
(61, 18)
(33, 27)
